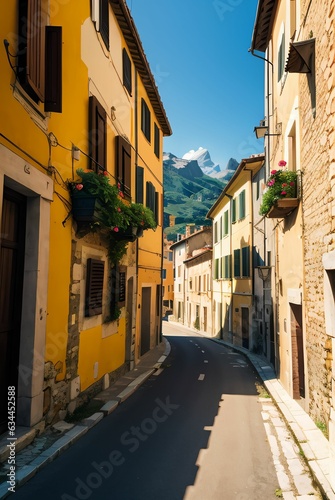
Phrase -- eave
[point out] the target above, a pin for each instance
(263, 24)
(252, 163)
(135, 47)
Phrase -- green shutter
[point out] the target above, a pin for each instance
(241, 208)
(237, 272)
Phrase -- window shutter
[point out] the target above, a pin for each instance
(241, 207)
(245, 262)
(237, 272)
(139, 184)
(156, 141)
(216, 269)
(97, 143)
(123, 164)
(226, 221)
(145, 120)
(94, 287)
(126, 71)
(150, 196)
(53, 69)
(104, 21)
(233, 214)
(156, 212)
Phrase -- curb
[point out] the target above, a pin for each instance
(70, 437)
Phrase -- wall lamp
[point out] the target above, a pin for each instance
(264, 272)
(262, 131)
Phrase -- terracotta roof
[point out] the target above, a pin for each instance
(263, 24)
(135, 47)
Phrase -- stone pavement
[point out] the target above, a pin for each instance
(46, 447)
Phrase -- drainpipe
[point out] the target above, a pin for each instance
(231, 265)
(137, 330)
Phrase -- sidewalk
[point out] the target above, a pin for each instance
(35, 453)
(314, 445)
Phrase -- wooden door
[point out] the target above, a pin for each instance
(245, 327)
(145, 320)
(298, 368)
(11, 282)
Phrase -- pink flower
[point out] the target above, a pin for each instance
(118, 209)
(273, 172)
(79, 187)
(282, 163)
(271, 182)
(116, 229)
(284, 184)
(105, 173)
(292, 183)
(121, 194)
(283, 193)
(118, 185)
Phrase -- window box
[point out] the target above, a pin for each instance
(282, 208)
(84, 207)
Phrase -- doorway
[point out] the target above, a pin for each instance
(13, 228)
(145, 319)
(298, 368)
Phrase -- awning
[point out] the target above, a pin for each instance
(301, 56)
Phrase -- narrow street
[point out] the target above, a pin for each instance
(199, 429)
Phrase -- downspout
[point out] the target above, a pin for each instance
(138, 305)
(231, 266)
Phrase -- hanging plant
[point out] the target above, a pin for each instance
(100, 207)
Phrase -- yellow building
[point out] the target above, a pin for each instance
(233, 269)
(77, 93)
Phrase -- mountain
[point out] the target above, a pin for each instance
(189, 192)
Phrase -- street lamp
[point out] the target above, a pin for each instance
(264, 272)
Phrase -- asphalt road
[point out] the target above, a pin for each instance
(193, 432)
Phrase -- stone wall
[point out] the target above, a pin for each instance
(317, 160)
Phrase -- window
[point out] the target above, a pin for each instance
(164, 274)
(123, 165)
(190, 284)
(97, 135)
(281, 57)
(157, 140)
(100, 15)
(241, 205)
(152, 199)
(145, 120)
(127, 80)
(94, 287)
(221, 228)
(245, 262)
(226, 223)
(39, 68)
(237, 263)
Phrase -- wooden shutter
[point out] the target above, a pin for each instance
(145, 120)
(104, 21)
(245, 262)
(36, 22)
(94, 287)
(97, 142)
(139, 184)
(156, 141)
(126, 71)
(123, 164)
(233, 214)
(53, 69)
(241, 203)
(150, 196)
(156, 212)
(237, 263)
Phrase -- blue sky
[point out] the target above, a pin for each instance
(211, 87)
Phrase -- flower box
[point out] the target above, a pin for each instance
(282, 208)
(84, 207)
(129, 234)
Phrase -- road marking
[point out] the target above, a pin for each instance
(205, 361)
(201, 376)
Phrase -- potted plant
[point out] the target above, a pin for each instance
(279, 198)
(98, 206)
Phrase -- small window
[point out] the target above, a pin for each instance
(123, 165)
(215, 232)
(97, 131)
(94, 287)
(157, 140)
(145, 120)
(164, 274)
(127, 80)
